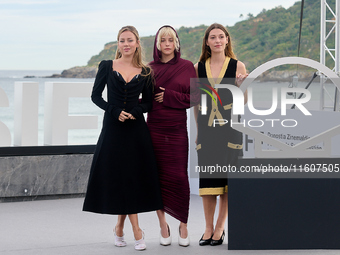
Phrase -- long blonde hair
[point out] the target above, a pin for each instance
(206, 51)
(137, 59)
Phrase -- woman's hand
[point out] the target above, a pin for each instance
(159, 96)
(240, 78)
(124, 116)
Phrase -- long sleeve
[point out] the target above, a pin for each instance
(145, 103)
(184, 99)
(175, 99)
(98, 87)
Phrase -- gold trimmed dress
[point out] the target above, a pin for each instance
(218, 144)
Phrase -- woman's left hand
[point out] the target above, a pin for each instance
(240, 78)
(159, 96)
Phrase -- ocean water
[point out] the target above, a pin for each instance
(262, 98)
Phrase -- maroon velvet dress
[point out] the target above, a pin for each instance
(167, 122)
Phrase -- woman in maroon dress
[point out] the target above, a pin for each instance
(167, 123)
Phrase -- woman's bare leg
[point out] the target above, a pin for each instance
(137, 232)
(222, 216)
(209, 205)
(183, 228)
(120, 225)
(162, 223)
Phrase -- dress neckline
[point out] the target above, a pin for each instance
(120, 75)
(218, 80)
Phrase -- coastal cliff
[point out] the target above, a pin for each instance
(80, 72)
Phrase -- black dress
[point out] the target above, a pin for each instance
(217, 145)
(123, 177)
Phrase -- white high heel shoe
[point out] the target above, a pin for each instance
(140, 244)
(183, 241)
(119, 240)
(167, 240)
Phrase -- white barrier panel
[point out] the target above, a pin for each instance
(26, 104)
(5, 134)
(57, 121)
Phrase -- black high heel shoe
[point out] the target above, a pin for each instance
(217, 242)
(203, 242)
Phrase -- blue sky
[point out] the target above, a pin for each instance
(60, 34)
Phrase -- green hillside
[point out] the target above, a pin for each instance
(271, 34)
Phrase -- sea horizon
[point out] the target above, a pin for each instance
(12, 73)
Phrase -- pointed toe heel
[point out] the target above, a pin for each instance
(218, 242)
(183, 241)
(203, 242)
(167, 240)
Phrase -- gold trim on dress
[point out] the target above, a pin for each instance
(214, 108)
(228, 106)
(235, 146)
(213, 191)
(222, 72)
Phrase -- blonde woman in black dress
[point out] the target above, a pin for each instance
(123, 178)
(217, 145)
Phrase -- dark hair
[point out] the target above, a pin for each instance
(206, 51)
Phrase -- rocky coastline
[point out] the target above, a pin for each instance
(77, 72)
(81, 72)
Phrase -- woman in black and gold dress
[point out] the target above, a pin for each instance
(217, 143)
(123, 178)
